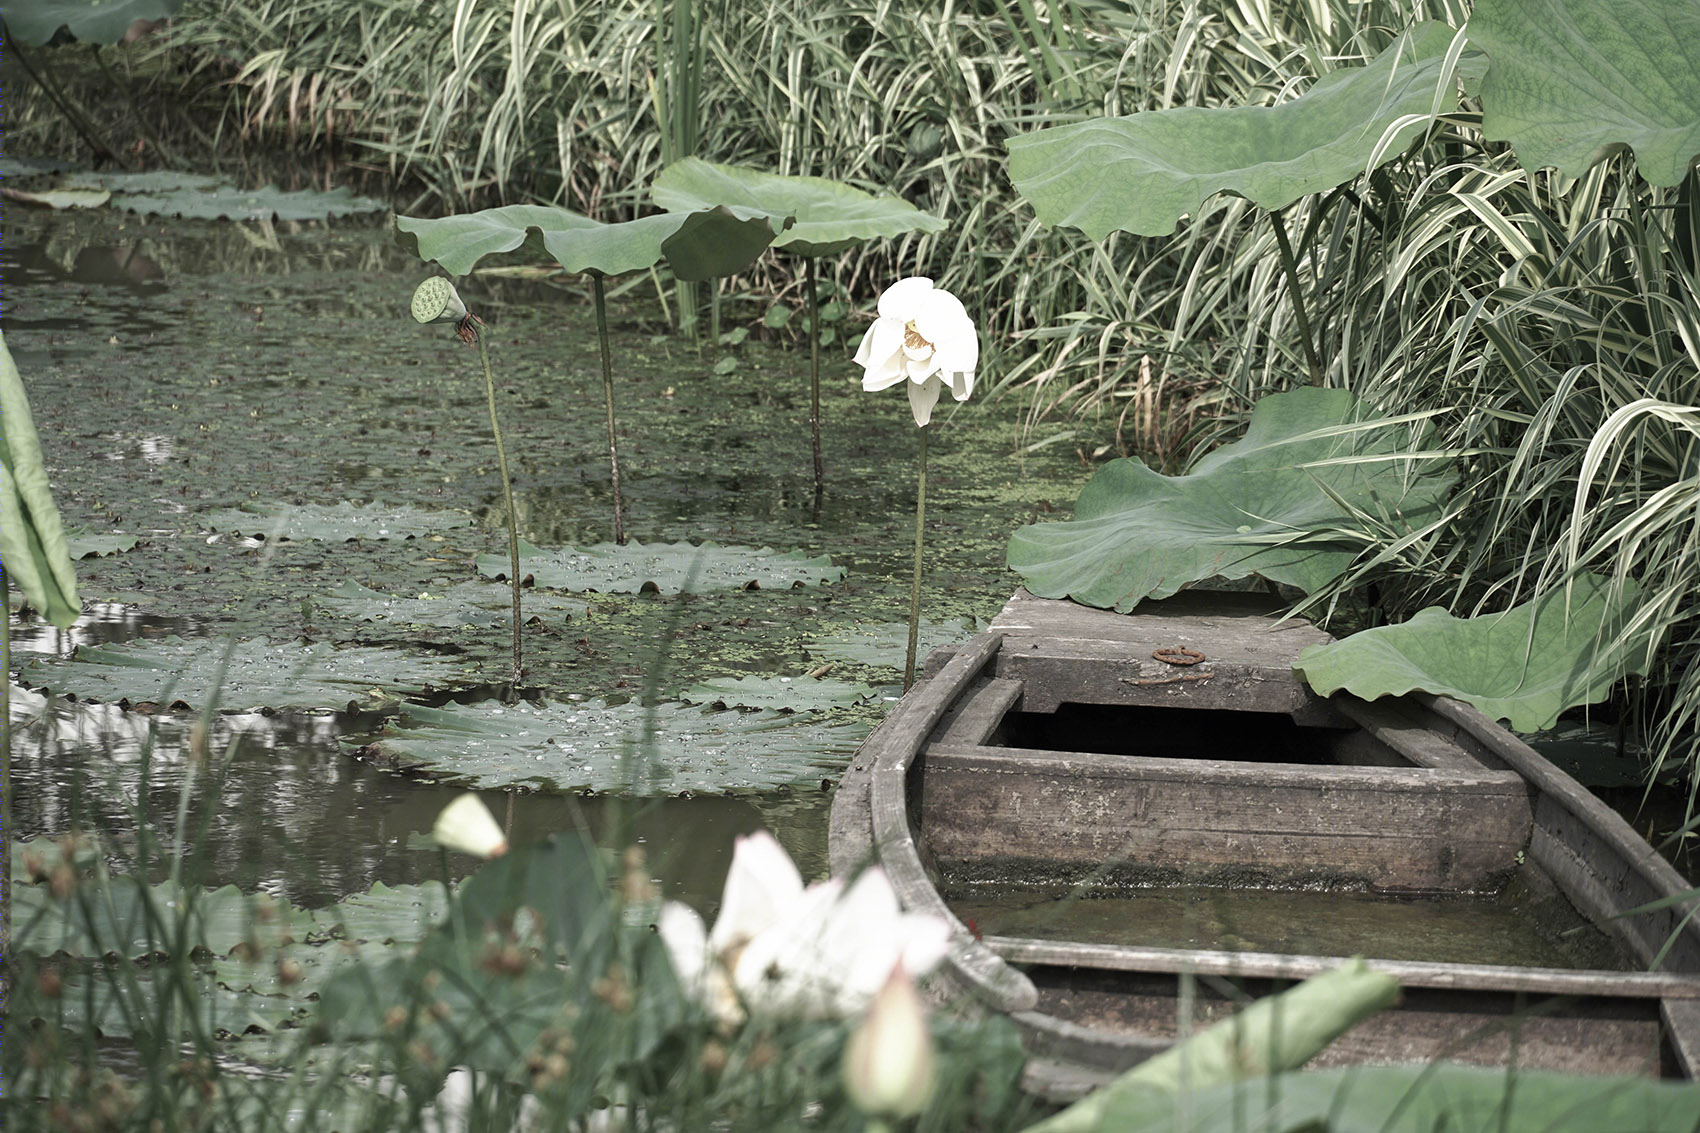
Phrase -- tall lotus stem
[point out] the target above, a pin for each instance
(608, 397)
(915, 585)
(436, 301)
(814, 374)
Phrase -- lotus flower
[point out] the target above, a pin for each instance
(888, 1062)
(783, 950)
(924, 334)
(468, 826)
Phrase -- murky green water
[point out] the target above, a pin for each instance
(176, 369)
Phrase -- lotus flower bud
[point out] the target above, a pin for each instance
(468, 826)
(888, 1062)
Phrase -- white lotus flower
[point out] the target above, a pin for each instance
(924, 334)
(781, 949)
(888, 1062)
(468, 826)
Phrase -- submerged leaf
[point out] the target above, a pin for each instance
(1526, 665)
(338, 523)
(1266, 504)
(260, 673)
(831, 217)
(596, 747)
(670, 568)
(1143, 172)
(1571, 81)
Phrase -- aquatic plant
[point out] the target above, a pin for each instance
(437, 301)
(923, 337)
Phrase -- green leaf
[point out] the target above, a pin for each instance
(34, 22)
(885, 644)
(669, 568)
(60, 198)
(1143, 172)
(1263, 505)
(1572, 81)
(191, 199)
(697, 245)
(1526, 665)
(597, 747)
(32, 538)
(339, 523)
(831, 217)
(786, 694)
(121, 916)
(475, 605)
(81, 543)
(260, 674)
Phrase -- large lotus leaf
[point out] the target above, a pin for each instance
(260, 674)
(109, 1002)
(479, 605)
(32, 537)
(784, 694)
(1570, 81)
(340, 522)
(698, 245)
(1525, 665)
(120, 916)
(596, 747)
(1414, 1099)
(887, 643)
(1263, 505)
(670, 568)
(34, 22)
(82, 543)
(266, 203)
(831, 217)
(1143, 172)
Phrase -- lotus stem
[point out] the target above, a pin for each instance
(814, 373)
(1290, 268)
(608, 397)
(915, 586)
(507, 501)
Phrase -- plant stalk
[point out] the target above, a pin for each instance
(608, 397)
(814, 373)
(915, 586)
(507, 502)
(1290, 268)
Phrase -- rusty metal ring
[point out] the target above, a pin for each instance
(1178, 655)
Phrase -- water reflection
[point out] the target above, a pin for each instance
(274, 804)
(102, 623)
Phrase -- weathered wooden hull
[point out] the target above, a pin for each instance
(1174, 746)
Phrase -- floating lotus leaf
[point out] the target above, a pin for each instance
(119, 916)
(58, 198)
(267, 203)
(698, 245)
(1571, 81)
(1264, 505)
(403, 913)
(887, 643)
(260, 674)
(85, 544)
(337, 523)
(162, 181)
(479, 605)
(595, 747)
(34, 22)
(32, 537)
(831, 217)
(667, 567)
(105, 1002)
(1143, 172)
(1525, 665)
(786, 694)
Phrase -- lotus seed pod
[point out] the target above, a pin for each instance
(437, 301)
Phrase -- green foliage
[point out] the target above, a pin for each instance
(1281, 502)
(33, 550)
(338, 522)
(669, 568)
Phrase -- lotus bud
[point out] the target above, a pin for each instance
(888, 1062)
(468, 826)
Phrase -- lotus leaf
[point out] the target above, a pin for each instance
(34, 22)
(152, 181)
(786, 694)
(84, 544)
(1263, 505)
(266, 203)
(59, 198)
(595, 747)
(1570, 81)
(338, 523)
(119, 916)
(103, 1001)
(831, 217)
(1143, 172)
(479, 605)
(404, 913)
(260, 674)
(32, 537)
(698, 245)
(671, 568)
(1526, 665)
(886, 644)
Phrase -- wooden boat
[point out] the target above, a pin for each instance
(1170, 759)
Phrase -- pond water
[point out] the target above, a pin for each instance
(180, 369)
